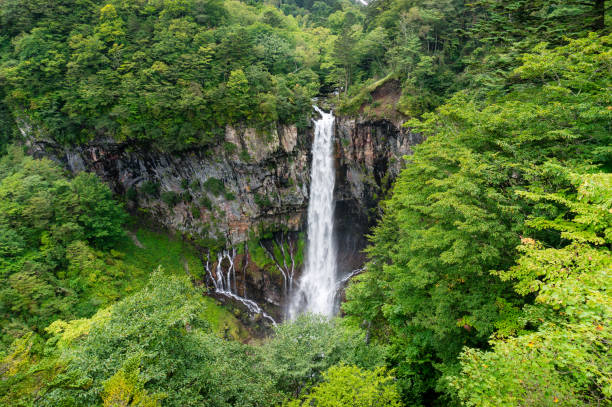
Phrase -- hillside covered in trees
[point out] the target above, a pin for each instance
(488, 273)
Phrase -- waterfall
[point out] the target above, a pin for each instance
(317, 287)
(223, 284)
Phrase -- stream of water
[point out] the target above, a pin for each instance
(317, 286)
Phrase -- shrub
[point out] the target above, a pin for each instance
(150, 188)
(263, 201)
(171, 198)
(214, 186)
(352, 386)
(195, 212)
(132, 194)
(206, 202)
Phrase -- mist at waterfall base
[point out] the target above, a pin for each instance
(317, 288)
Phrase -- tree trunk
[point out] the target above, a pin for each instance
(599, 14)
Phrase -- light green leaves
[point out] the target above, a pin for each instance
(351, 386)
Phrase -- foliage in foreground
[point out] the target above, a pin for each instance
(302, 350)
(156, 347)
(54, 237)
(160, 338)
(487, 176)
(562, 356)
(351, 386)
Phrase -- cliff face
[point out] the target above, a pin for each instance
(249, 195)
(370, 154)
(248, 181)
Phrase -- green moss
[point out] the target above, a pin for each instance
(162, 249)
(214, 186)
(212, 243)
(299, 255)
(223, 322)
(259, 256)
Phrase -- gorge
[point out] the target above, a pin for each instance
(180, 226)
(252, 229)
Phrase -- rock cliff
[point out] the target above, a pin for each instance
(249, 196)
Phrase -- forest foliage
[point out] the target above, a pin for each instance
(55, 236)
(488, 280)
(150, 349)
(488, 272)
(170, 73)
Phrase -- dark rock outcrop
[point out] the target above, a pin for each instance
(250, 180)
(370, 155)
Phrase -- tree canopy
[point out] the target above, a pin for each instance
(490, 176)
(173, 73)
(55, 233)
(488, 273)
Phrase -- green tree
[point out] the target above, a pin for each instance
(458, 210)
(99, 215)
(351, 386)
(156, 345)
(344, 55)
(47, 224)
(162, 72)
(301, 350)
(238, 93)
(125, 388)
(561, 355)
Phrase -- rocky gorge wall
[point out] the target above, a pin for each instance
(369, 157)
(249, 196)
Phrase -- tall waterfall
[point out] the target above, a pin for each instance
(317, 287)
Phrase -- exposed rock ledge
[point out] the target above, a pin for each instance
(248, 181)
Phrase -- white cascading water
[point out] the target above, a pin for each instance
(317, 287)
(226, 284)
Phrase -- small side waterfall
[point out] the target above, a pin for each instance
(226, 284)
(317, 286)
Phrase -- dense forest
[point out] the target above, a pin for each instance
(489, 272)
